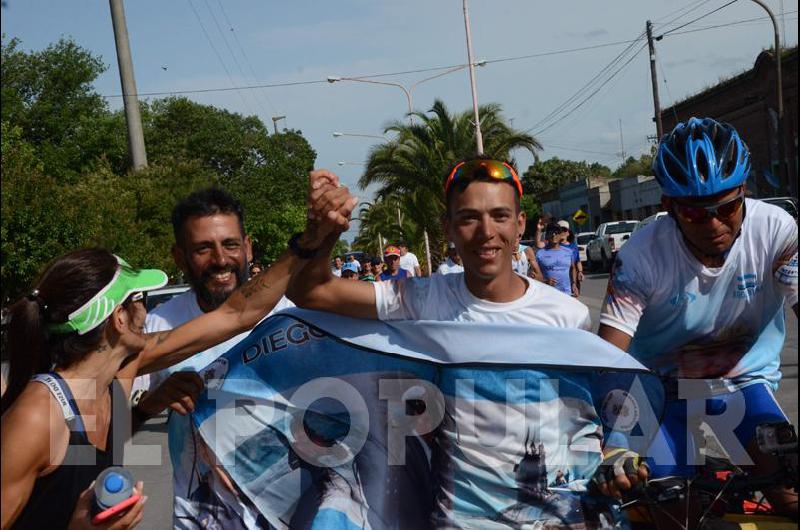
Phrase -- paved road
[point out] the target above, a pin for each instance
(158, 478)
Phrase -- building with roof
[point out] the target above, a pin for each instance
(748, 102)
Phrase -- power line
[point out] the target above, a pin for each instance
(587, 98)
(552, 114)
(230, 51)
(428, 69)
(725, 25)
(694, 7)
(219, 57)
(588, 151)
(696, 19)
(246, 58)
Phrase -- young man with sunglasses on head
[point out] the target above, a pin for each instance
(700, 294)
(483, 220)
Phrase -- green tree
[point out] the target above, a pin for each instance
(50, 96)
(413, 164)
(633, 166)
(340, 248)
(547, 176)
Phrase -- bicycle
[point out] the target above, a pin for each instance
(726, 496)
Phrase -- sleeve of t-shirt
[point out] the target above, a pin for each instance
(400, 299)
(784, 264)
(576, 257)
(628, 291)
(415, 260)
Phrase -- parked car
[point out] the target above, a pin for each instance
(647, 220)
(582, 239)
(608, 239)
(157, 297)
(787, 203)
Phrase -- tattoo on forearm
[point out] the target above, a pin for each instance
(255, 286)
(161, 336)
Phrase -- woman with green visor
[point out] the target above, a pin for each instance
(76, 342)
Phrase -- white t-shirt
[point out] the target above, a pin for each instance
(187, 471)
(446, 297)
(449, 267)
(336, 272)
(692, 321)
(409, 262)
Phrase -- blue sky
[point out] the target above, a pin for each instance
(271, 42)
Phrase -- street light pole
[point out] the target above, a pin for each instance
(408, 92)
(275, 120)
(478, 135)
(784, 177)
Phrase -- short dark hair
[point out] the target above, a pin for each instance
(458, 187)
(203, 203)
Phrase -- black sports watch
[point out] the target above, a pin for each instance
(299, 251)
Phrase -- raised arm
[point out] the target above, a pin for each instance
(314, 286)
(254, 300)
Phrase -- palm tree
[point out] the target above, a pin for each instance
(411, 167)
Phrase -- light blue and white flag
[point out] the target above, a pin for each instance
(323, 421)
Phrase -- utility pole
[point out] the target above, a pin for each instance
(473, 86)
(130, 97)
(621, 143)
(654, 80)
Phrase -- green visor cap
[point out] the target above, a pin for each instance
(125, 282)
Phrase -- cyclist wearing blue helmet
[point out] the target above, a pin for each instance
(699, 297)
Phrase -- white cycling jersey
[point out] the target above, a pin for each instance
(692, 321)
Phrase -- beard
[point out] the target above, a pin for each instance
(214, 298)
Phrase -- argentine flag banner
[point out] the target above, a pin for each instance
(321, 421)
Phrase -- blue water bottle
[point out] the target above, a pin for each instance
(113, 493)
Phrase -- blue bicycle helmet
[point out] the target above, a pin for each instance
(701, 157)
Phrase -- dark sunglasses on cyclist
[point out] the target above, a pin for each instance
(700, 214)
(492, 168)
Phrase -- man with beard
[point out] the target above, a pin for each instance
(214, 253)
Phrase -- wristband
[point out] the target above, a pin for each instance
(299, 251)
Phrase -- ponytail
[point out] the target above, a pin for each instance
(27, 346)
(64, 286)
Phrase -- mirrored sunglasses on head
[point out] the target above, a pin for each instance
(492, 168)
(701, 213)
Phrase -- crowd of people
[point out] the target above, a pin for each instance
(699, 294)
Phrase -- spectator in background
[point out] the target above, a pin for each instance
(367, 273)
(391, 256)
(453, 262)
(408, 260)
(352, 259)
(336, 269)
(577, 271)
(555, 261)
(377, 268)
(350, 270)
(255, 268)
(523, 261)
(538, 236)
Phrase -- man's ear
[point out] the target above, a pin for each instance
(522, 219)
(248, 249)
(179, 257)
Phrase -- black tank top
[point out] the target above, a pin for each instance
(54, 496)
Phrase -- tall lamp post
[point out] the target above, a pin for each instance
(408, 92)
(784, 177)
